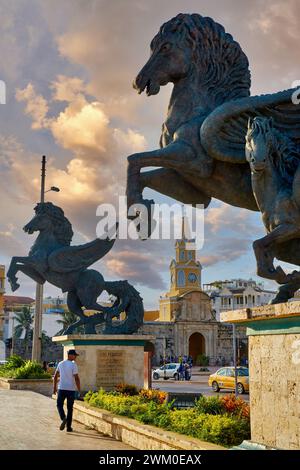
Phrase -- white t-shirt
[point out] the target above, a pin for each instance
(67, 369)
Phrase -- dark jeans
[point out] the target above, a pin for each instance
(61, 396)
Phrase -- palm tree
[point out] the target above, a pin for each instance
(24, 319)
(68, 318)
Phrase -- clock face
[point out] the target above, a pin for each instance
(192, 277)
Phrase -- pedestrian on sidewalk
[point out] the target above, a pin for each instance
(67, 372)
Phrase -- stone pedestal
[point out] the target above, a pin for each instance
(107, 360)
(274, 372)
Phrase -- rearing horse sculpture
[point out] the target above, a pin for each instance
(52, 259)
(202, 145)
(275, 172)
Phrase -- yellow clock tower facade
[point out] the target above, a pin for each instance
(185, 277)
(184, 269)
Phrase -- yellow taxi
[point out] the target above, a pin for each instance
(224, 378)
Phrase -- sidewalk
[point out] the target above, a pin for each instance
(29, 421)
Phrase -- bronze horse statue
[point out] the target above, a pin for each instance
(202, 145)
(275, 172)
(52, 259)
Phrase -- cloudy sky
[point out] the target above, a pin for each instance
(68, 66)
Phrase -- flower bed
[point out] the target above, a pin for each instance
(223, 421)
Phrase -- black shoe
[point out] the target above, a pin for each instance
(63, 424)
(69, 430)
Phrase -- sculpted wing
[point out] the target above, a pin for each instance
(223, 131)
(74, 258)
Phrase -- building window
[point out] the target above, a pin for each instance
(181, 256)
(190, 255)
(181, 278)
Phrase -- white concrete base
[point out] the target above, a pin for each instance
(107, 360)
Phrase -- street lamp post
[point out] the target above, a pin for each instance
(12, 351)
(37, 325)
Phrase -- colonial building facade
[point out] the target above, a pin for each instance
(185, 324)
(236, 294)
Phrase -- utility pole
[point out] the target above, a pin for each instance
(37, 326)
(12, 351)
(234, 360)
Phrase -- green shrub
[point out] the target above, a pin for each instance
(17, 368)
(31, 370)
(223, 429)
(116, 403)
(219, 429)
(14, 362)
(208, 420)
(210, 405)
(183, 421)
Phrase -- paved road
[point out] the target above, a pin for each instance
(192, 387)
(29, 421)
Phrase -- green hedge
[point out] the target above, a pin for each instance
(208, 420)
(17, 368)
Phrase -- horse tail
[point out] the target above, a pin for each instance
(134, 308)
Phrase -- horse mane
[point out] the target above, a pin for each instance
(223, 66)
(62, 227)
(286, 156)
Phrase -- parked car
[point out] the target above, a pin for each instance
(224, 378)
(167, 371)
(2, 363)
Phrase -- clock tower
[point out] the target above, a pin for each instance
(185, 270)
(185, 292)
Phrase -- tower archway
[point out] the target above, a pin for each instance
(196, 345)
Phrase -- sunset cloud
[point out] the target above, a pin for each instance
(36, 106)
(139, 268)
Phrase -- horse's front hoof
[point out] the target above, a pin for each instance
(144, 211)
(133, 203)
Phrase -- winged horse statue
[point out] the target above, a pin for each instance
(202, 144)
(52, 259)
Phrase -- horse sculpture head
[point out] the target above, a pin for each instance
(50, 218)
(193, 44)
(260, 143)
(266, 147)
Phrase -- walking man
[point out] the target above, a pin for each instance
(67, 372)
